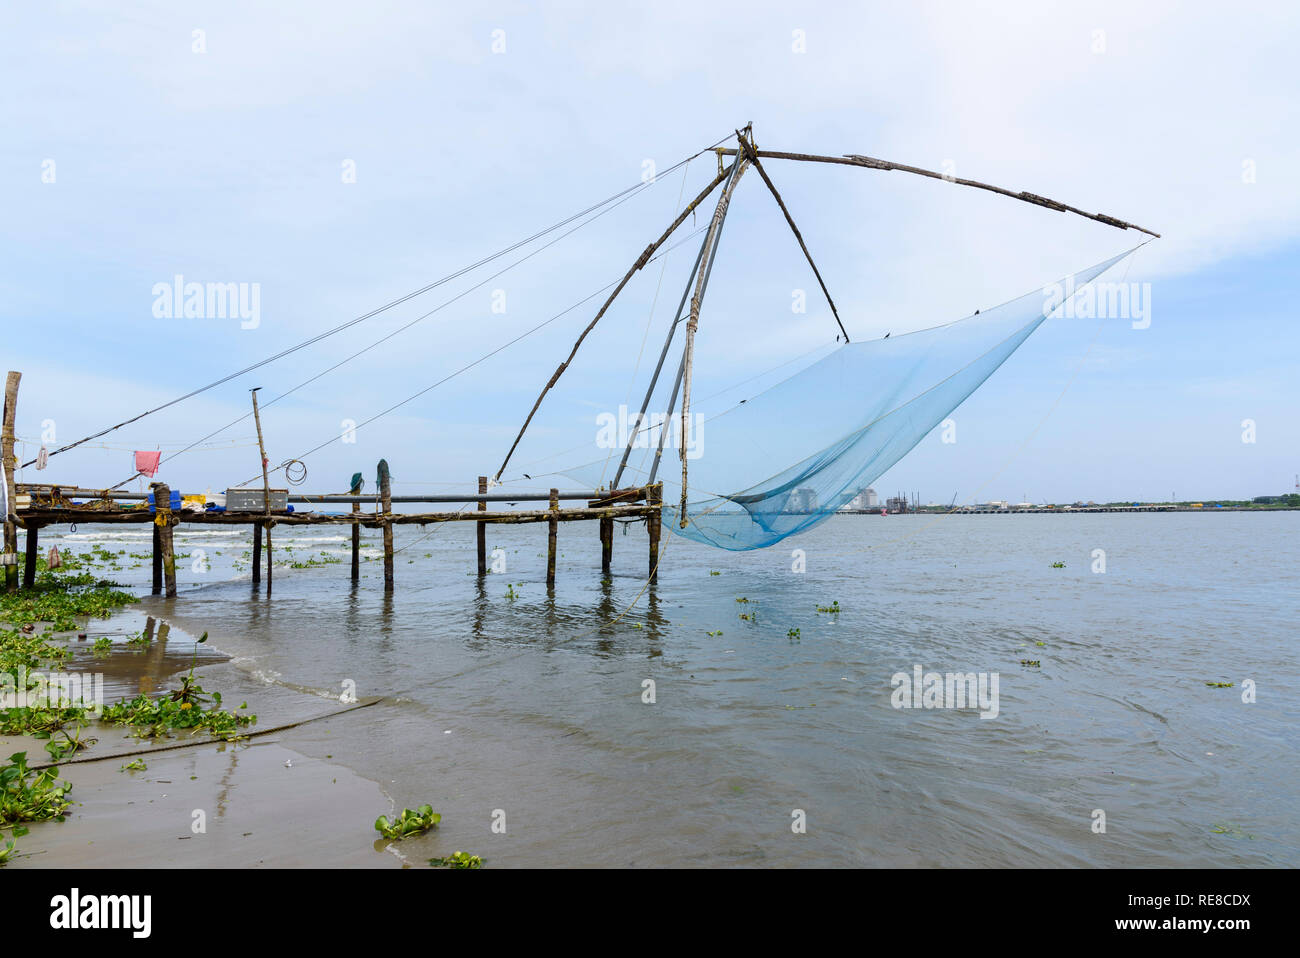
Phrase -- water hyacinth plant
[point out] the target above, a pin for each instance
(457, 860)
(408, 823)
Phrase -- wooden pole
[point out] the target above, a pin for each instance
(33, 549)
(693, 323)
(654, 379)
(10, 466)
(386, 499)
(854, 159)
(553, 526)
(156, 561)
(482, 529)
(163, 522)
(606, 544)
(266, 492)
(641, 261)
(753, 156)
(356, 535)
(654, 524)
(257, 553)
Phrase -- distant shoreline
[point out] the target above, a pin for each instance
(1062, 510)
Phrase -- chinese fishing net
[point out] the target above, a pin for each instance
(839, 424)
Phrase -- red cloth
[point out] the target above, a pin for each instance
(146, 463)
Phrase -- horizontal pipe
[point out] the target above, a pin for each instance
(78, 493)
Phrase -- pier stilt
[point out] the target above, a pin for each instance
(482, 529)
(10, 465)
(654, 525)
(552, 526)
(606, 544)
(163, 522)
(257, 554)
(356, 536)
(157, 562)
(33, 549)
(386, 501)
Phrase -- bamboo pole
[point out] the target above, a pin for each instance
(606, 544)
(693, 323)
(854, 159)
(666, 428)
(753, 158)
(266, 493)
(641, 261)
(553, 525)
(482, 529)
(10, 466)
(386, 501)
(33, 549)
(257, 553)
(356, 536)
(156, 561)
(163, 522)
(654, 379)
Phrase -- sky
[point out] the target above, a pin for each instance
(333, 157)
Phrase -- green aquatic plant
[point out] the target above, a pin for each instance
(457, 860)
(1058, 565)
(742, 599)
(714, 572)
(1035, 663)
(833, 608)
(749, 616)
(60, 749)
(39, 721)
(103, 645)
(137, 766)
(31, 796)
(511, 594)
(1231, 830)
(140, 639)
(792, 635)
(408, 823)
(155, 718)
(715, 632)
(1219, 685)
(61, 600)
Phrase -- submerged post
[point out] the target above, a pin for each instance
(257, 553)
(156, 562)
(356, 532)
(266, 493)
(162, 503)
(29, 565)
(10, 464)
(482, 528)
(553, 524)
(386, 502)
(654, 496)
(606, 544)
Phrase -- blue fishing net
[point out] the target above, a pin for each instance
(837, 425)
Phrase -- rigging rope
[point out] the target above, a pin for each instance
(365, 316)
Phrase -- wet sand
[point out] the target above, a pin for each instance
(201, 801)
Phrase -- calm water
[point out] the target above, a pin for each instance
(533, 705)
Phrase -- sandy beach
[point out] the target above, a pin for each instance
(243, 804)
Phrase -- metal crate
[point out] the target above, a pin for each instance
(254, 500)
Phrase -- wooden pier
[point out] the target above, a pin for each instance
(44, 505)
